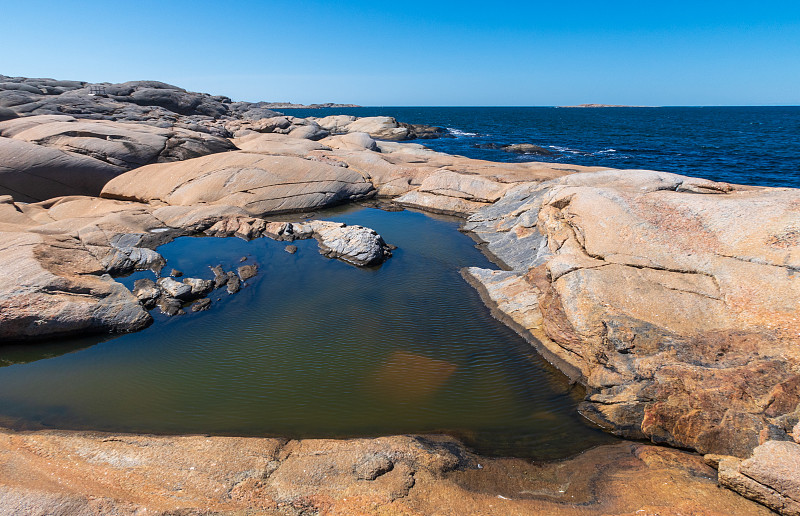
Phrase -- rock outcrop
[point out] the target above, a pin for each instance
(53, 155)
(664, 295)
(51, 285)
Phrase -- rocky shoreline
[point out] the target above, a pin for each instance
(665, 296)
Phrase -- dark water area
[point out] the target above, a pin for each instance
(314, 347)
(743, 145)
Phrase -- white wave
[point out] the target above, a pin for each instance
(606, 151)
(565, 149)
(459, 132)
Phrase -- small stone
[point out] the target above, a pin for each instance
(243, 259)
(220, 277)
(201, 305)
(200, 287)
(146, 291)
(234, 284)
(170, 306)
(291, 249)
(247, 271)
(175, 273)
(175, 289)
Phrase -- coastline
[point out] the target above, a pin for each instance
(540, 220)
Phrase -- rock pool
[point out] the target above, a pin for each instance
(313, 347)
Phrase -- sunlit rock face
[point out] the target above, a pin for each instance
(673, 299)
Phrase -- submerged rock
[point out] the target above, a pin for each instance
(526, 148)
(247, 271)
(234, 284)
(201, 305)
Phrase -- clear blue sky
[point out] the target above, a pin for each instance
(421, 53)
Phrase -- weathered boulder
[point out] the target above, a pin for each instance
(147, 292)
(663, 294)
(175, 289)
(309, 132)
(258, 183)
(122, 144)
(170, 306)
(336, 124)
(278, 144)
(32, 173)
(354, 244)
(380, 127)
(199, 287)
(352, 141)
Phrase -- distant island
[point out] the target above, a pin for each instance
(599, 106)
(289, 105)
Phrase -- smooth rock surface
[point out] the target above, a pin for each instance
(260, 184)
(62, 155)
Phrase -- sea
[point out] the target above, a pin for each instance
(742, 145)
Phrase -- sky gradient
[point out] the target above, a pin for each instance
(433, 53)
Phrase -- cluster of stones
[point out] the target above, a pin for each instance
(354, 244)
(171, 296)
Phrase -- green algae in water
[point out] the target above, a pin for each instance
(313, 347)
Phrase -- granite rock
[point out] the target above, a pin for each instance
(260, 184)
(662, 294)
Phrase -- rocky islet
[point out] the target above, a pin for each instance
(662, 294)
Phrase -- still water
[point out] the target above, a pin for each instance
(313, 347)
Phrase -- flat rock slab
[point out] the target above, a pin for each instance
(770, 476)
(68, 473)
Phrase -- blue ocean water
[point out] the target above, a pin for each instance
(743, 145)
